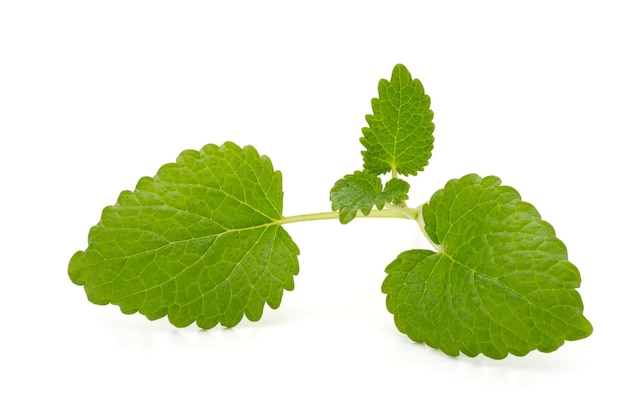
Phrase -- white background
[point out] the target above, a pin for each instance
(94, 95)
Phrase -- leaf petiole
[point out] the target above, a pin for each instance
(390, 211)
(420, 220)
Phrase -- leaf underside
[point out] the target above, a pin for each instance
(500, 283)
(197, 242)
(400, 133)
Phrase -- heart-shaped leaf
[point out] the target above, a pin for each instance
(500, 281)
(198, 242)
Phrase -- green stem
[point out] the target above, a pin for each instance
(388, 212)
(420, 221)
(394, 172)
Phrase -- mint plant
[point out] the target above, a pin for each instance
(204, 241)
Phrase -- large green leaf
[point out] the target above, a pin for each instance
(499, 283)
(198, 242)
(400, 133)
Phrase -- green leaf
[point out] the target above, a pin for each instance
(354, 192)
(500, 282)
(362, 191)
(396, 191)
(198, 242)
(400, 134)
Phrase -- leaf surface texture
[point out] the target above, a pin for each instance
(400, 133)
(499, 283)
(197, 242)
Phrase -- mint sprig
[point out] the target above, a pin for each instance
(204, 241)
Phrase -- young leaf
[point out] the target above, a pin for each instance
(198, 242)
(362, 191)
(396, 191)
(500, 282)
(400, 134)
(354, 192)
